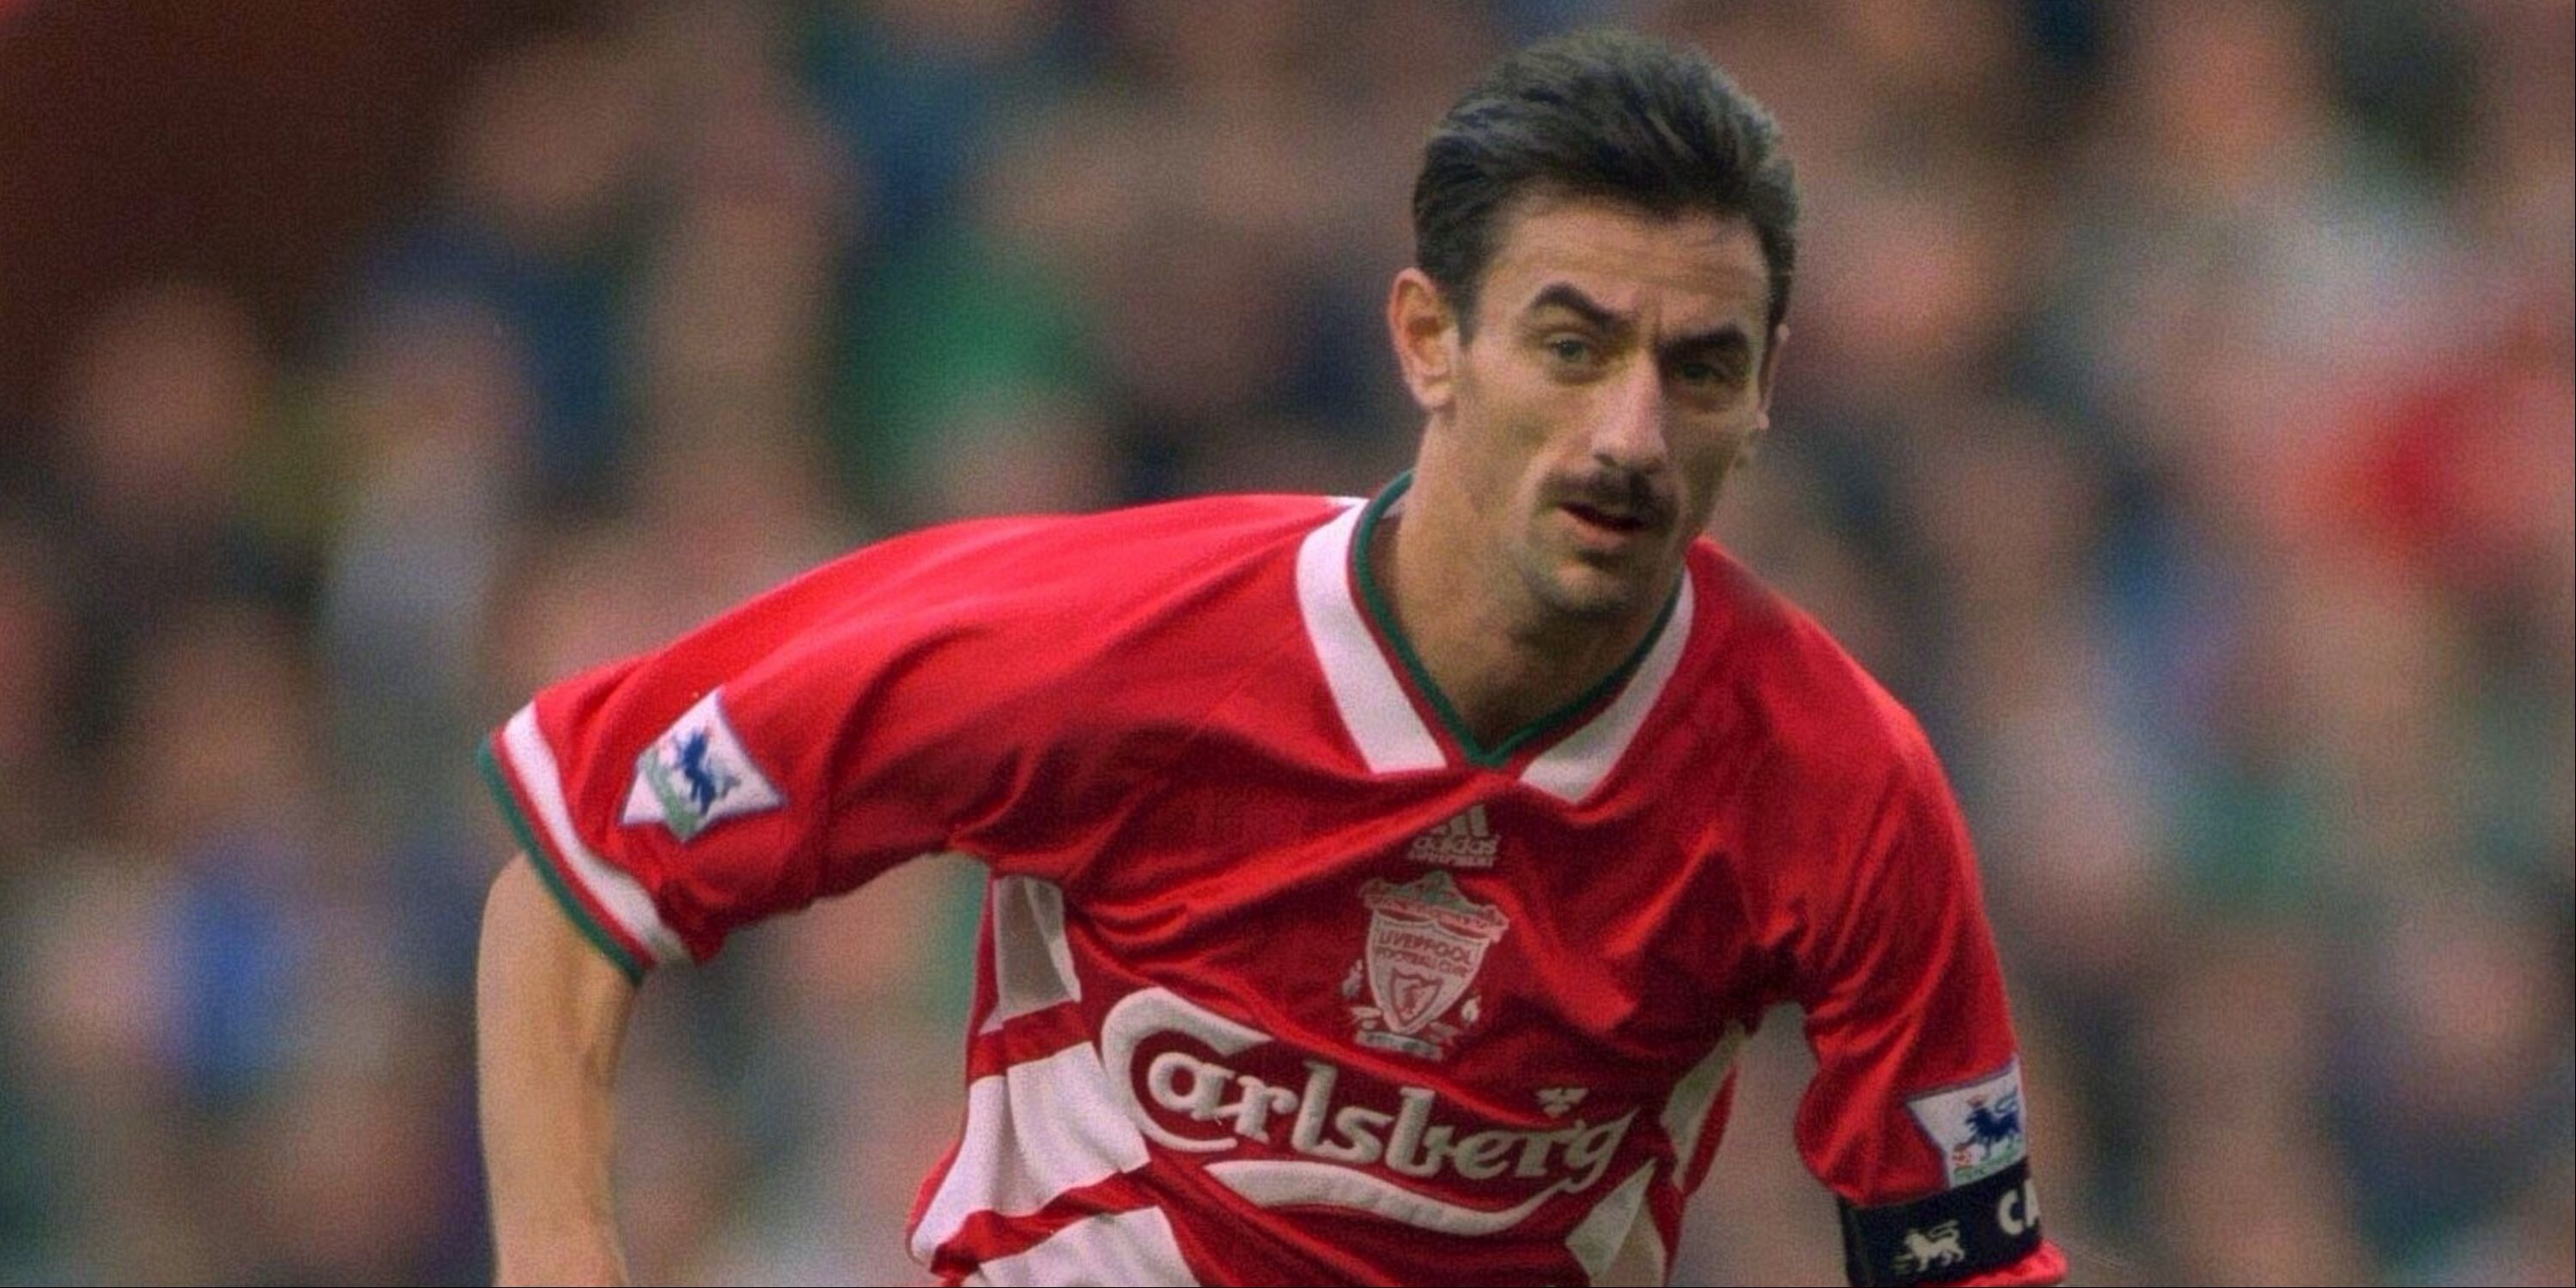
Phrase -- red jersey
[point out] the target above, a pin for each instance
(1284, 977)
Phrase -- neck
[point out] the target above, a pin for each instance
(1502, 658)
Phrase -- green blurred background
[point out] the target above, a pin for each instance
(2180, 418)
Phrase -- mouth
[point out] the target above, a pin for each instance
(1607, 522)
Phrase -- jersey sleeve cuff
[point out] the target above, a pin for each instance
(610, 908)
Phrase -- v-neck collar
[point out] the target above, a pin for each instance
(1391, 706)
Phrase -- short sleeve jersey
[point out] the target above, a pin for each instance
(1283, 977)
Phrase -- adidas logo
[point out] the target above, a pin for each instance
(1463, 842)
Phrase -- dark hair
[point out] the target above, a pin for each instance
(1607, 114)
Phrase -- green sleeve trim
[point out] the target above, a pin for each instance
(542, 858)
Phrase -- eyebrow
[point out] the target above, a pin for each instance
(1726, 340)
(1593, 312)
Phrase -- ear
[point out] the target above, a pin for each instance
(1770, 375)
(1425, 334)
(1768, 380)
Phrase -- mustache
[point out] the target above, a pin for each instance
(1621, 492)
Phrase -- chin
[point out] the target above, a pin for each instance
(1591, 594)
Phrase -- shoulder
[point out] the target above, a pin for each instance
(1100, 545)
(1043, 598)
(1028, 562)
(1855, 818)
(1822, 725)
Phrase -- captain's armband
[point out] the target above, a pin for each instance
(1984, 1225)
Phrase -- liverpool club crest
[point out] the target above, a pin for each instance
(1426, 941)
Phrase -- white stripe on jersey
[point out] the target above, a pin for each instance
(1572, 768)
(1274, 1183)
(1381, 719)
(1116, 1248)
(532, 762)
(1033, 1132)
(1686, 1114)
(1617, 1242)
(1032, 964)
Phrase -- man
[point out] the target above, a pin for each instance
(1380, 892)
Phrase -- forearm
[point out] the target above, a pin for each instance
(550, 1017)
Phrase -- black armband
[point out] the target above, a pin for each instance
(1986, 1224)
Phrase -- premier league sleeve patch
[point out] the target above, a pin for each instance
(1977, 1127)
(697, 774)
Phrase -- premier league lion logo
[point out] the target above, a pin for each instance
(1995, 1124)
(696, 775)
(1977, 1126)
(707, 783)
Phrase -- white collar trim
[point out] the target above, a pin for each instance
(1381, 717)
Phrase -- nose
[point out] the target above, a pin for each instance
(1629, 434)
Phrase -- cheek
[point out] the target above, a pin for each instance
(1713, 454)
(1511, 421)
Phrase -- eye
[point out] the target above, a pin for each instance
(1713, 376)
(1572, 350)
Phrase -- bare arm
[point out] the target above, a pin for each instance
(550, 1017)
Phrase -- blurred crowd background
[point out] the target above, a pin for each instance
(2179, 417)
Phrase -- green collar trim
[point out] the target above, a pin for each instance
(1381, 615)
